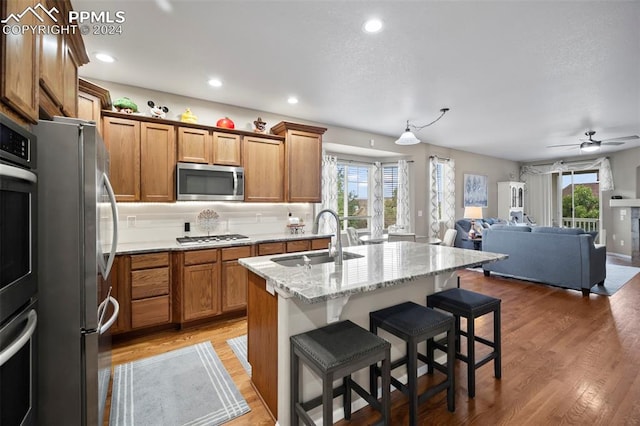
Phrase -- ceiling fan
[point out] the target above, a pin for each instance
(591, 145)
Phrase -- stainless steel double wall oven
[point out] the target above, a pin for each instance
(18, 274)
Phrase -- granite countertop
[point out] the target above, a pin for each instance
(382, 265)
(172, 245)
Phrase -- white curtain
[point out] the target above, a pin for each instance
(403, 212)
(448, 180)
(538, 198)
(377, 198)
(538, 189)
(329, 192)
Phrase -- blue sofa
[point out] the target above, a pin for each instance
(563, 257)
(464, 225)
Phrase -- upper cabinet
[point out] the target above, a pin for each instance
(143, 159)
(92, 99)
(39, 70)
(19, 66)
(206, 147)
(263, 169)
(303, 161)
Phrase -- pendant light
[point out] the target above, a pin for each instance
(408, 138)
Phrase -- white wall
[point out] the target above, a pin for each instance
(209, 112)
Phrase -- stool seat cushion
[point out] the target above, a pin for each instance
(411, 318)
(338, 344)
(459, 299)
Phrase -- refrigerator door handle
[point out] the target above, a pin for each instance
(116, 310)
(114, 215)
(22, 339)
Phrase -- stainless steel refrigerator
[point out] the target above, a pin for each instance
(77, 219)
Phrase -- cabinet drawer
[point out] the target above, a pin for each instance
(198, 257)
(320, 243)
(234, 253)
(151, 311)
(149, 283)
(300, 245)
(151, 260)
(270, 248)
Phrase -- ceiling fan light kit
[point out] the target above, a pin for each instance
(408, 138)
(589, 147)
(593, 145)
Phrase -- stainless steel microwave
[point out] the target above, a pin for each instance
(204, 182)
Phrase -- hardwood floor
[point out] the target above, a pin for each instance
(566, 360)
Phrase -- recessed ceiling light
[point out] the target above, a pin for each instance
(215, 82)
(292, 100)
(164, 5)
(372, 26)
(105, 57)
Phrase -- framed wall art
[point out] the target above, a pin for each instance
(475, 190)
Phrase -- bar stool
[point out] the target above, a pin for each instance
(471, 305)
(333, 351)
(415, 323)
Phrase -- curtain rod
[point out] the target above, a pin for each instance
(439, 158)
(566, 162)
(365, 162)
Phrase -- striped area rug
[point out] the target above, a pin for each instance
(239, 347)
(187, 386)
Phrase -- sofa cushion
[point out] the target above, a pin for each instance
(511, 228)
(556, 230)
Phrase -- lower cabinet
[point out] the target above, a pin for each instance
(142, 285)
(150, 290)
(161, 288)
(234, 278)
(197, 291)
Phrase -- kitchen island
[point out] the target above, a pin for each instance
(287, 300)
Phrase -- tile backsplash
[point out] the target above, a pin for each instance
(148, 222)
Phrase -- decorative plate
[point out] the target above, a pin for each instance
(207, 220)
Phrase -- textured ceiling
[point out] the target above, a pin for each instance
(517, 75)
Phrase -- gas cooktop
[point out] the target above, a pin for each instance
(208, 239)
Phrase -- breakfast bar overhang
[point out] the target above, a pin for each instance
(285, 300)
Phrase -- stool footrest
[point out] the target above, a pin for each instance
(317, 401)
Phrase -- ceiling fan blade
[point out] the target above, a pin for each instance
(568, 144)
(624, 138)
(612, 143)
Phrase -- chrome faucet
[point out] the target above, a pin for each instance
(338, 254)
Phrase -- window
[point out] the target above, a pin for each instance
(390, 194)
(353, 195)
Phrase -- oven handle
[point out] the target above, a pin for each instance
(114, 215)
(116, 310)
(17, 173)
(22, 340)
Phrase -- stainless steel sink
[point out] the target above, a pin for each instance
(314, 258)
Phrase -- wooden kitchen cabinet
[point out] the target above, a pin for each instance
(142, 159)
(227, 149)
(263, 169)
(202, 146)
(320, 243)
(194, 145)
(197, 291)
(303, 161)
(298, 245)
(39, 70)
(92, 99)
(150, 280)
(141, 284)
(122, 138)
(234, 278)
(19, 67)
